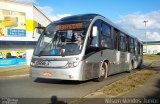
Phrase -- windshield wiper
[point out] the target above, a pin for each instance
(44, 48)
(52, 40)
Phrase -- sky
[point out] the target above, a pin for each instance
(128, 14)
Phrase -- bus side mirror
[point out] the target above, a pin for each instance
(37, 31)
(94, 31)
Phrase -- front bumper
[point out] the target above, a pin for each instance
(57, 73)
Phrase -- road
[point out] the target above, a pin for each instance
(27, 87)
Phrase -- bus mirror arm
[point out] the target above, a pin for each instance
(33, 35)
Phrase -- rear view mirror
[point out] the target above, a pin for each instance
(37, 31)
(40, 27)
(94, 31)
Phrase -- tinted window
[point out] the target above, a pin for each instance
(139, 48)
(106, 29)
(122, 42)
(95, 39)
(131, 45)
(136, 46)
(127, 43)
(116, 34)
(106, 39)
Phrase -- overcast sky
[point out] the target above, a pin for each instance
(128, 14)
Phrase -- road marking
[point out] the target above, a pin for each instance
(13, 76)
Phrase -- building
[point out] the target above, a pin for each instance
(17, 23)
(153, 47)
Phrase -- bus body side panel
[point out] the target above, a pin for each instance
(140, 60)
(127, 61)
(111, 57)
(92, 65)
(91, 70)
(94, 61)
(132, 59)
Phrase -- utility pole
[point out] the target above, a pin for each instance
(145, 23)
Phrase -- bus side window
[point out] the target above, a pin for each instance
(127, 43)
(131, 45)
(106, 39)
(139, 47)
(116, 34)
(122, 42)
(136, 46)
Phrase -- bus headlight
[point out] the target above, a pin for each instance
(75, 64)
(32, 63)
(72, 64)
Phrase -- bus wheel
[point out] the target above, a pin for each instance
(102, 74)
(140, 65)
(130, 66)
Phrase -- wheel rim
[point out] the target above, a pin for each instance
(102, 71)
(130, 67)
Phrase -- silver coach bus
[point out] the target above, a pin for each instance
(84, 47)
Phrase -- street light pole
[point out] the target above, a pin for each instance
(145, 22)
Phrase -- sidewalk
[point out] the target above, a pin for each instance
(14, 72)
(12, 68)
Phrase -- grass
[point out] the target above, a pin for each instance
(151, 57)
(13, 67)
(125, 84)
(119, 87)
(128, 83)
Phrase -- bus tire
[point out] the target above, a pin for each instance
(102, 74)
(131, 66)
(140, 65)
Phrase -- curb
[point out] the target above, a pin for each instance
(12, 68)
(13, 76)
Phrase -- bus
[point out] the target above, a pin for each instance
(105, 49)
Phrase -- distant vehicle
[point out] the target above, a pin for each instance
(105, 49)
(158, 53)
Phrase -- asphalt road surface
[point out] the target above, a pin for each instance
(27, 87)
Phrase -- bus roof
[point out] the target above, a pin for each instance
(80, 17)
(90, 17)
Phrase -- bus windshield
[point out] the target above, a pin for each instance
(61, 39)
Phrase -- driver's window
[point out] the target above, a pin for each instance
(95, 34)
(93, 39)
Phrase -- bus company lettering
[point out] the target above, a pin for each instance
(69, 26)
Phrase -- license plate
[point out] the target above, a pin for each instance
(48, 74)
